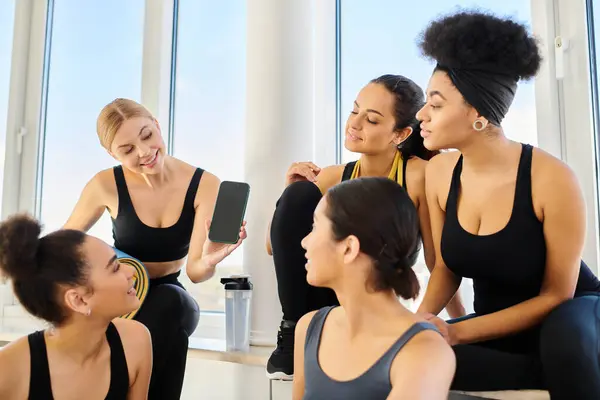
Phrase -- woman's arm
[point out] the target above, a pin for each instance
(197, 269)
(454, 307)
(268, 238)
(300, 338)
(564, 220)
(137, 345)
(423, 370)
(141, 384)
(443, 284)
(15, 369)
(418, 189)
(6, 378)
(90, 206)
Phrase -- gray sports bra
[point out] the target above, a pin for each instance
(374, 384)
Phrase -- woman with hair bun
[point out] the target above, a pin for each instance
(506, 214)
(75, 283)
(363, 245)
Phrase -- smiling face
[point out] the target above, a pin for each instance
(370, 128)
(446, 119)
(111, 282)
(139, 146)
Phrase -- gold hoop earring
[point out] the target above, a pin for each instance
(478, 127)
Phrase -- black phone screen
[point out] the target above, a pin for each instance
(229, 212)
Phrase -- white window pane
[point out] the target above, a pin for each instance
(210, 105)
(7, 19)
(380, 37)
(96, 56)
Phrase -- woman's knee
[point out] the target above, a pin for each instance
(571, 333)
(292, 219)
(569, 351)
(173, 305)
(299, 196)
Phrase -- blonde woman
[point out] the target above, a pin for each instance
(160, 208)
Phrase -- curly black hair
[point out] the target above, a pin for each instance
(476, 39)
(40, 266)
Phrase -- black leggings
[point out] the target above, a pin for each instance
(292, 221)
(171, 315)
(567, 362)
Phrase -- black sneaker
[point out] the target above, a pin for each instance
(281, 363)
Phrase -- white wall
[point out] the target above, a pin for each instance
(281, 115)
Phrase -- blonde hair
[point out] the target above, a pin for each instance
(113, 115)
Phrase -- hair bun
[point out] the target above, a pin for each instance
(474, 39)
(19, 242)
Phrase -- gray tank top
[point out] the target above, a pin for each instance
(374, 384)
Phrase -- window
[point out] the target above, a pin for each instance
(7, 16)
(210, 101)
(594, 51)
(381, 38)
(95, 56)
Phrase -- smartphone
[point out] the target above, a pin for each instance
(229, 212)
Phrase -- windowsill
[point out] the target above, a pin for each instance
(214, 349)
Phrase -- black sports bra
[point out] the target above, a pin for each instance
(146, 243)
(507, 267)
(40, 386)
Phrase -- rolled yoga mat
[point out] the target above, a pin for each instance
(141, 279)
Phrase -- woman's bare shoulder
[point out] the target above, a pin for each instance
(15, 366)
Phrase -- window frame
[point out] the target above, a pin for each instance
(23, 119)
(578, 134)
(28, 96)
(564, 110)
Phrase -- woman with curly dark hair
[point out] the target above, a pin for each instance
(75, 283)
(509, 216)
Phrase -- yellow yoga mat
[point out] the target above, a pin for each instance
(141, 278)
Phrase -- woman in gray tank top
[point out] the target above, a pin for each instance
(364, 242)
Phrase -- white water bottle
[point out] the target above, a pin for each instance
(238, 298)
